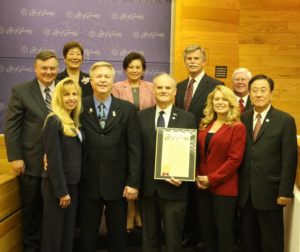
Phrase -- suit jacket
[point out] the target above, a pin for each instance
(123, 91)
(64, 156)
(269, 166)
(222, 158)
(248, 104)
(178, 119)
(23, 129)
(84, 82)
(113, 155)
(197, 105)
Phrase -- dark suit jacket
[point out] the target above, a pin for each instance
(64, 155)
(269, 166)
(84, 82)
(248, 104)
(222, 158)
(113, 155)
(178, 119)
(206, 85)
(23, 130)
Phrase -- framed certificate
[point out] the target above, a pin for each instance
(175, 154)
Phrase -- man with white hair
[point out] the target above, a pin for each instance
(240, 80)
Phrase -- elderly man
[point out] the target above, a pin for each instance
(240, 80)
(113, 155)
(28, 108)
(162, 201)
(268, 171)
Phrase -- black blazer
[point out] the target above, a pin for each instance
(269, 166)
(248, 104)
(198, 102)
(84, 82)
(113, 155)
(23, 129)
(64, 156)
(178, 119)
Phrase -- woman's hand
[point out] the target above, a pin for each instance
(202, 182)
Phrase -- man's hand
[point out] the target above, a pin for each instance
(65, 201)
(202, 182)
(283, 201)
(173, 181)
(18, 166)
(45, 162)
(130, 193)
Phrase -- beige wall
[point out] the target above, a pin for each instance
(262, 35)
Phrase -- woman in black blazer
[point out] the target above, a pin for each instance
(63, 147)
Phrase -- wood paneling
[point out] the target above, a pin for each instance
(261, 35)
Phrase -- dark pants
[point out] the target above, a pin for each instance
(156, 213)
(32, 207)
(90, 218)
(58, 223)
(262, 230)
(216, 215)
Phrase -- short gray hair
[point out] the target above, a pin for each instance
(242, 70)
(193, 48)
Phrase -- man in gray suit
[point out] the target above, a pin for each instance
(267, 174)
(28, 107)
(163, 201)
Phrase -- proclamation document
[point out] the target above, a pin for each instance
(175, 153)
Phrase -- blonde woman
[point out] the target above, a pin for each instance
(63, 140)
(221, 140)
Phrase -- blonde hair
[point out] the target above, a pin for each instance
(233, 114)
(102, 64)
(70, 122)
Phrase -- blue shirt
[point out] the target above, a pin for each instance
(106, 103)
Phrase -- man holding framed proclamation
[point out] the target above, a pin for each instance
(164, 199)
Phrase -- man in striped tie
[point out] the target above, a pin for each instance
(28, 107)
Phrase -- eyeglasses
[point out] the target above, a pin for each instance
(239, 79)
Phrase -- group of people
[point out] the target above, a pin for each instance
(83, 145)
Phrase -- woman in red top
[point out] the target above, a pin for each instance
(221, 140)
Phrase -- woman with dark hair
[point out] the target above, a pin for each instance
(73, 56)
(139, 92)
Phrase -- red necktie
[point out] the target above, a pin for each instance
(257, 126)
(189, 94)
(242, 107)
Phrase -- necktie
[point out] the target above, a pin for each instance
(242, 107)
(257, 126)
(102, 116)
(161, 120)
(48, 98)
(189, 94)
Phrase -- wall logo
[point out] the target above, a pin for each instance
(88, 52)
(60, 33)
(18, 31)
(127, 16)
(37, 13)
(148, 35)
(123, 52)
(18, 69)
(33, 50)
(105, 34)
(82, 15)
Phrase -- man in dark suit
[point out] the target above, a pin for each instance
(268, 171)
(113, 159)
(27, 110)
(191, 95)
(163, 201)
(240, 80)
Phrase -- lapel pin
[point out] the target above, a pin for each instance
(114, 113)
(267, 120)
(90, 110)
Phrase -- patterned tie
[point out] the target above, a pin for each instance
(189, 94)
(257, 126)
(242, 107)
(161, 120)
(102, 116)
(48, 98)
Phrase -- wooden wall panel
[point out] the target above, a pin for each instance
(269, 43)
